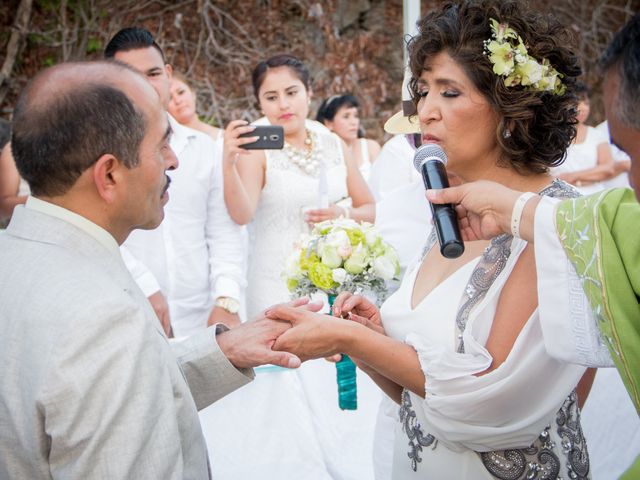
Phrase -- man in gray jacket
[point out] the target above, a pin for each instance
(90, 387)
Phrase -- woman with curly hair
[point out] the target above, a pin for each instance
(460, 346)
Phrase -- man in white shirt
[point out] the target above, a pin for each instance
(195, 258)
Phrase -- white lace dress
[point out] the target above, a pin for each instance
(287, 424)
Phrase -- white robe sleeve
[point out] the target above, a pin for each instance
(568, 324)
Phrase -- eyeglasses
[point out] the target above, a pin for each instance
(414, 140)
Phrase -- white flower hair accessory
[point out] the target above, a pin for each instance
(510, 59)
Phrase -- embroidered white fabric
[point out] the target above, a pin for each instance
(569, 326)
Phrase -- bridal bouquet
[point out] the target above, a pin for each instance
(342, 255)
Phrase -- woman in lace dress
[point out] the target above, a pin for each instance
(287, 424)
(339, 113)
(460, 345)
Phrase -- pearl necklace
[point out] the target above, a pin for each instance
(306, 160)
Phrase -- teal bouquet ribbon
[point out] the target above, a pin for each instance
(346, 378)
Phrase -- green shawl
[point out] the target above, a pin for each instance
(601, 236)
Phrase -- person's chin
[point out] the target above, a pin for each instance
(152, 223)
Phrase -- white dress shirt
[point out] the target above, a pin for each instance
(196, 255)
(393, 167)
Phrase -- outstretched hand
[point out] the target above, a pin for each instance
(484, 208)
(312, 335)
(250, 344)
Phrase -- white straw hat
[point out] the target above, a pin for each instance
(399, 123)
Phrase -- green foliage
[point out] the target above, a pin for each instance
(94, 45)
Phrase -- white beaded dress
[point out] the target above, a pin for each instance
(519, 421)
(286, 424)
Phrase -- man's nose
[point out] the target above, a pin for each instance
(171, 160)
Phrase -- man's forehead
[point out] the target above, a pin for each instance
(142, 59)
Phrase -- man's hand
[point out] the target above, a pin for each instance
(250, 344)
(220, 315)
(484, 208)
(161, 307)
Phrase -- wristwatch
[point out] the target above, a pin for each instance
(231, 305)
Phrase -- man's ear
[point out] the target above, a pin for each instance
(107, 177)
(169, 69)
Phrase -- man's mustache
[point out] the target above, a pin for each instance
(166, 187)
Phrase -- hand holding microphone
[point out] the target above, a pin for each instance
(430, 161)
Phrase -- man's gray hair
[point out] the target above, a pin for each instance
(623, 54)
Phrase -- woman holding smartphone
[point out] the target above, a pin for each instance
(280, 190)
(289, 422)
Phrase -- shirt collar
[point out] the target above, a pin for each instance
(180, 135)
(90, 228)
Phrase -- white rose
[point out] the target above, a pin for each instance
(330, 257)
(292, 266)
(370, 236)
(384, 267)
(339, 275)
(337, 239)
(344, 251)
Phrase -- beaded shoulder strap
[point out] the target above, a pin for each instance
(493, 261)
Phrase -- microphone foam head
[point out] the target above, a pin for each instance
(429, 151)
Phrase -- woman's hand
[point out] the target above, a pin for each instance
(358, 309)
(318, 215)
(233, 142)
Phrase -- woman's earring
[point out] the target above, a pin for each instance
(506, 134)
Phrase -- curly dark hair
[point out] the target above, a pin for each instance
(542, 125)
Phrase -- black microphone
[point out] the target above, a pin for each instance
(430, 160)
